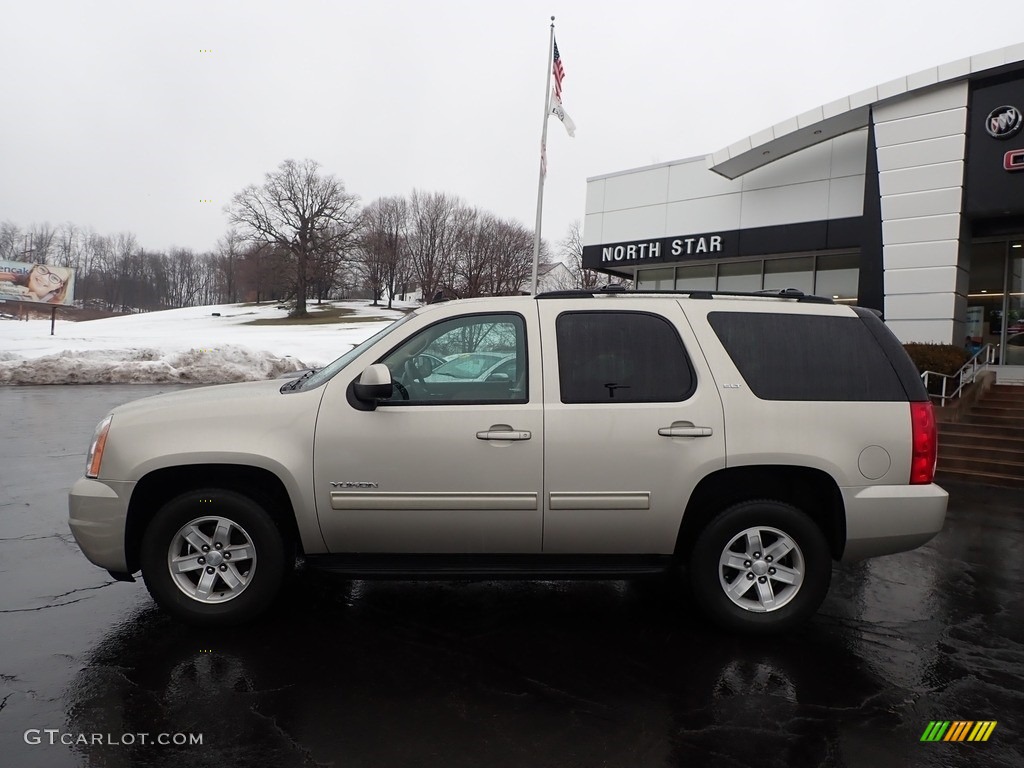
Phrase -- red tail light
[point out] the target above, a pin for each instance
(926, 443)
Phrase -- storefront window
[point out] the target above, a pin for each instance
(742, 276)
(832, 275)
(1014, 350)
(837, 277)
(698, 278)
(790, 273)
(985, 296)
(656, 279)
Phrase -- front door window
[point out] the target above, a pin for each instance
(472, 359)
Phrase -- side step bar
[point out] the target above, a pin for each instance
(487, 567)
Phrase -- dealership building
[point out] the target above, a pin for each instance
(907, 197)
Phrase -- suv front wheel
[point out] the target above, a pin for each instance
(213, 557)
(760, 566)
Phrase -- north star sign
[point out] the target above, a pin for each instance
(668, 247)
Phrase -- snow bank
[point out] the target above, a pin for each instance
(202, 345)
(148, 366)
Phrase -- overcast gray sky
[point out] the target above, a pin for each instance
(111, 116)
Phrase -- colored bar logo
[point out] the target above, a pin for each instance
(958, 730)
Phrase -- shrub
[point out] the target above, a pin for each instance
(941, 358)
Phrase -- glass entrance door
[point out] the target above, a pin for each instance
(995, 299)
(985, 295)
(1013, 341)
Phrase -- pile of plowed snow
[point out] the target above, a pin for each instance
(200, 345)
(148, 366)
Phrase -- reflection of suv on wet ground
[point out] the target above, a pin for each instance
(748, 441)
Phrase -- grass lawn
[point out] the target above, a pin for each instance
(322, 315)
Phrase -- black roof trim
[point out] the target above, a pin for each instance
(785, 293)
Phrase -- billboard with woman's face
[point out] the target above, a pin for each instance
(42, 283)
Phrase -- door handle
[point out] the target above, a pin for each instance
(685, 429)
(504, 434)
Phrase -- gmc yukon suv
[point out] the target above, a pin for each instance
(745, 441)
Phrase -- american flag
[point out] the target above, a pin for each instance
(558, 72)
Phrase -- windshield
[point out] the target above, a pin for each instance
(328, 371)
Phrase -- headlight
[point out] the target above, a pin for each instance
(99, 442)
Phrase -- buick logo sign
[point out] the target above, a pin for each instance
(1003, 122)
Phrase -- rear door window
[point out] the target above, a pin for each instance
(621, 357)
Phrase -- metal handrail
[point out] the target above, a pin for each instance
(979, 362)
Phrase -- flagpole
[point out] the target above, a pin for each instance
(543, 151)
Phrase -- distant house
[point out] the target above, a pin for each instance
(551, 276)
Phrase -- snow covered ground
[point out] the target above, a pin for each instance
(189, 345)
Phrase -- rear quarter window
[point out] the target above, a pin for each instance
(807, 357)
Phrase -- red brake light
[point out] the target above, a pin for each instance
(925, 436)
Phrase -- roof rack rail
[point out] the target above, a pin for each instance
(784, 293)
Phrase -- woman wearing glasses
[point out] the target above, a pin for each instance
(41, 283)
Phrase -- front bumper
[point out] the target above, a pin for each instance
(884, 519)
(97, 513)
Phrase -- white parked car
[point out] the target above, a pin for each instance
(477, 366)
(746, 441)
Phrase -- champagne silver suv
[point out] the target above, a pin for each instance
(747, 441)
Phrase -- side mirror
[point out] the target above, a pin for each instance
(373, 384)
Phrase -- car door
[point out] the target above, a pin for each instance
(633, 421)
(447, 464)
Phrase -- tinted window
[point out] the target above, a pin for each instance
(621, 357)
(807, 357)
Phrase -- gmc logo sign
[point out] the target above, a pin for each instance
(1014, 160)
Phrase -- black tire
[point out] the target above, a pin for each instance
(237, 590)
(769, 604)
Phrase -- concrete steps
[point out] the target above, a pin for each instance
(987, 444)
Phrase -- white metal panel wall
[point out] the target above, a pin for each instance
(821, 182)
(647, 186)
(634, 224)
(691, 180)
(920, 149)
(705, 214)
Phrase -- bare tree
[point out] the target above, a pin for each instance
(494, 256)
(396, 264)
(513, 257)
(300, 211)
(40, 243)
(125, 246)
(262, 273)
(430, 237)
(472, 254)
(371, 251)
(570, 250)
(327, 268)
(383, 262)
(10, 241)
(229, 251)
(67, 241)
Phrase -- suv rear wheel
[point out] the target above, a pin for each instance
(213, 557)
(760, 566)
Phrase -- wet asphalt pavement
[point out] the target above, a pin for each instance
(491, 674)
